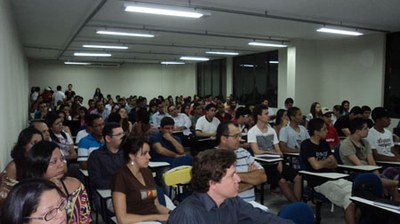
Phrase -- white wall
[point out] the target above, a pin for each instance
(331, 71)
(14, 88)
(148, 80)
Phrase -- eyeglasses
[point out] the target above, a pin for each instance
(52, 213)
(239, 135)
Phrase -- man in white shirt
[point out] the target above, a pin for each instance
(58, 96)
(380, 138)
(182, 121)
(292, 135)
(206, 125)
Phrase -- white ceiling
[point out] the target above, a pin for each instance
(55, 29)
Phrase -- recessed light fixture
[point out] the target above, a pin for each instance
(222, 52)
(76, 63)
(105, 46)
(87, 54)
(123, 33)
(339, 31)
(192, 58)
(262, 44)
(248, 65)
(165, 10)
(172, 63)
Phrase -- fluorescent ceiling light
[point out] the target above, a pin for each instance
(338, 31)
(191, 58)
(222, 52)
(248, 65)
(172, 63)
(105, 46)
(76, 63)
(164, 10)
(121, 33)
(266, 44)
(274, 62)
(93, 54)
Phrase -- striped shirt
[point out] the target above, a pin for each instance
(243, 160)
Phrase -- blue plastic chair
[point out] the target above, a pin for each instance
(298, 212)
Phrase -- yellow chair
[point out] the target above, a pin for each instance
(178, 178)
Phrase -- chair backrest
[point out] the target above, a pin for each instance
(178, 175)
(298, 212)
(367, 185)
(337, 154)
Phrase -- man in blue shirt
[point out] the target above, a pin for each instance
(167, 147)
(215, 198)
(92, 141)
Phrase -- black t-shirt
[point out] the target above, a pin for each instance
(320, 152)
(342, 122)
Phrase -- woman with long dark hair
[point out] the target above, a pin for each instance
(45, 160)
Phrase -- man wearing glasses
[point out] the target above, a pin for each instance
(105, 162)
(250, 172)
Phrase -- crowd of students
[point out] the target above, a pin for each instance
(117, 137)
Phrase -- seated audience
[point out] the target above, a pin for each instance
(101, 110)
(281, 120)
(63, 139)
(271, 113)
(292, 135)
(35, 201)
(380, 138)
(167, 147)
(134, 192)
(343, 123)
(125, 123)
(104, 162)
(181, 120)
(42, 127)
(317, 154)
(331, 137)
(289, 102)
(263, 140)
(215, 199)
(45, 160)
(197, 113)
(366, 112)
(242, 121)
(42, 112)
(337, 109)
(15, 170)
(221, 114)
(356, 150)
(345, 106)
(315, 111)
(251, 173)
(206, 126)
(92, 141)
(160, 114)
(142, 127)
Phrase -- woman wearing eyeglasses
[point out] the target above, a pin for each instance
(46, 161)
(35, 201)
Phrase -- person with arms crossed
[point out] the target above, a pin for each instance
(251, 173)
(317, 154)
